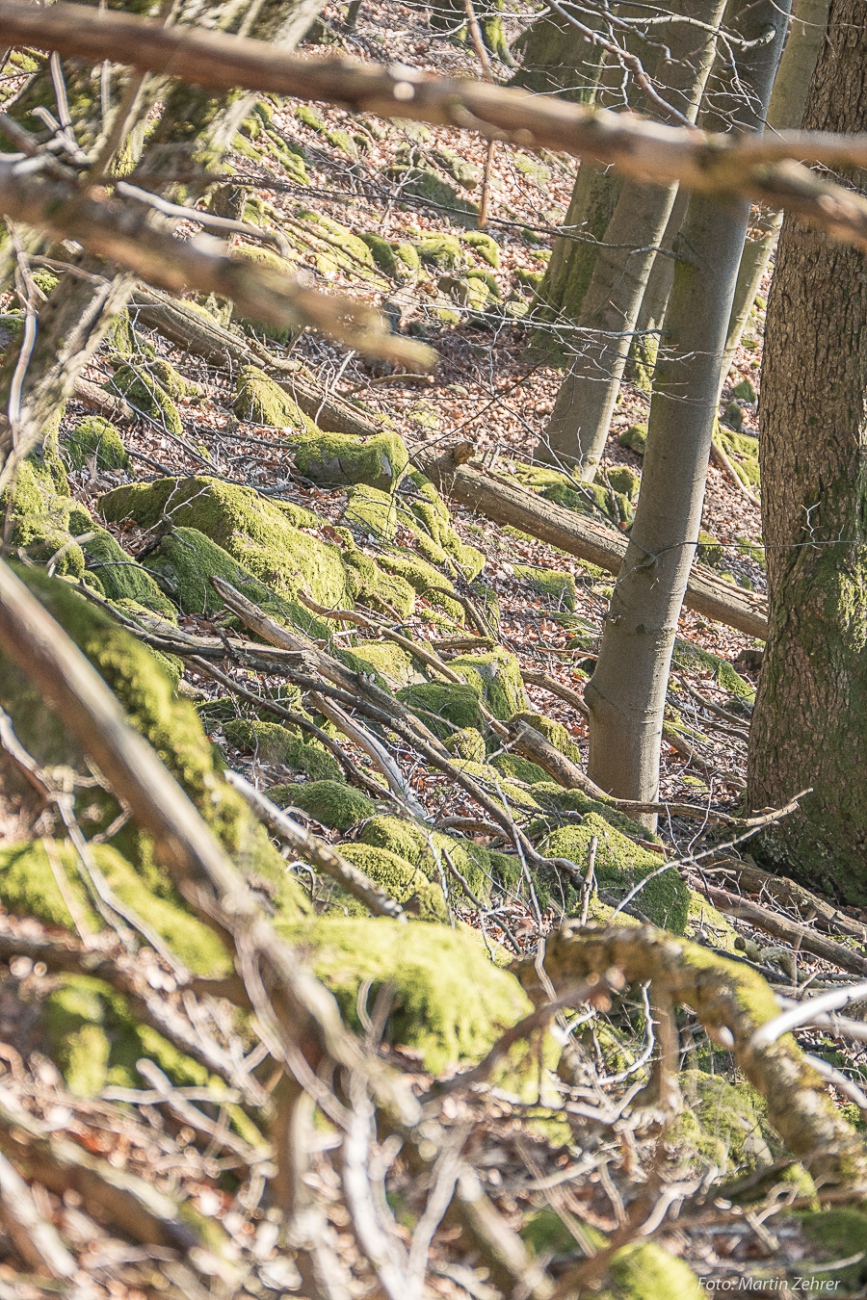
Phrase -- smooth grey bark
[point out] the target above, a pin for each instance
(626, 694)
(785, 112)
(578, 428)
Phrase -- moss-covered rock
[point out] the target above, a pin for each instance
(383, 253)
(450, 1003)
(97, 440)
(554, 732)
(457, 706)
(399, 879)
(96, 1041)
(496, 678)
(467, 743)
(583, 498)
(259, 400)
(835, 1234)
(422, 577)
(145, 394)
(120, 576)
(261, 535)
(275, 744)
(634, 438)
(484, 245)
(171, 726)
(625, 480)
(334, 459)
(441, 250)
(332, 803)
(425, 512)
(372, 511)
(520, 769)
(644, 1269)
(724, 1124)
(186, 560)
(29, 887)
(621, 864)
(37, 509)
(692, 658)
(482, 869)
(556, 587)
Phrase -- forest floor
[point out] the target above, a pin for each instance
(493, 387)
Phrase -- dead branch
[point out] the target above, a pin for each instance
(731, 1001)
(788, 894)
(763, 168)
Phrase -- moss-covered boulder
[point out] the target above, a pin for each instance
(467, 743)
(372, 512)
(724, 1124)
(331, 802)
(634, 438)
(554, 732)
(272, 542)
(556, 587)
(426, 514)
(449, 1002)
(423, 578)
(496, 678)
(621, 864)
(96, 1040)
(483, 245)
(583, 498)
(29, 887)
(272, 743)
(445, 707)
(259, 400)
(145, 394)
(334, 459)
(96, 440)
(118, 575)
(170, 724)
(428, 850)
(186, 560)
(625, 480)
(36, 511)
(399, 879)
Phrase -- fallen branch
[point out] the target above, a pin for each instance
(785, 892)
(763, 168)
(506, 503)
(732, 1002)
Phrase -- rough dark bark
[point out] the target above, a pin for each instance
(810, 725)
(627, 692)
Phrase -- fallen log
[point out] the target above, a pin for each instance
(507, 503)
(195, 332)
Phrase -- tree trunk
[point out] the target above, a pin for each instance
(579, 423)
(810, 722)
(785, 112)
(556, 58)
(626, 693)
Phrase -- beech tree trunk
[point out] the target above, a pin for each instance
(626, 693)
(810, 721)
(578, 428)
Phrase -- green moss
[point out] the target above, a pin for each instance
(440, 250)
(366, 581)
(94, 438)
(450, 1003)
(584, 498)
(724, 1123)
(259, 400)
(556, 587)
(308, 115)
(625, 480)
(496, 678)
(391, 662)
(400, 879)
(170, 725)
(709, 550)
(422, 576)
(838, 1234)
(554, 732)
(482, 869)
(426, 514)
(621, 864)
(424, 182)
(96, 1041)
(255, 532)
(120, 577)
(644, 1269)
(37, 511)
(331, 802)
(29, 887)
(146, 395)
(337, 458)
(467, 743)
(635, 438)
(382, 252)
(484, 245)
(407, 254)
(185, 561)
(341, 238)
(520, 769)
(455, 705)
(373, 511)
(692, 658)
(275, 744)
